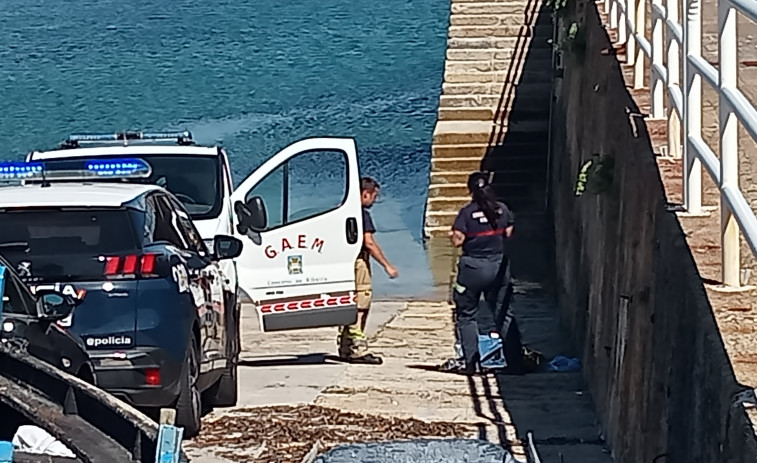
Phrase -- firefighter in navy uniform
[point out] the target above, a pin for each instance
(481, 228)
(353, 344)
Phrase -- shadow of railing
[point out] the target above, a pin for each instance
(517, 151)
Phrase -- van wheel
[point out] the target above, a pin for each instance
(189, 403)
(226, 391)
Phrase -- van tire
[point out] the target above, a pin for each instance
(189, 402)
(225, 392)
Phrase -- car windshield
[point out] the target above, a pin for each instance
(54, 245)
(193, 179)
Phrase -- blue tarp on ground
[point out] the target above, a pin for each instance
(418, 451)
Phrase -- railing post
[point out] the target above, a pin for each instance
(729, 141)
(692, 108)
(614, 16)
(641, 31)
(674, 72)
(622, 29)
(630, 30)
(658, 108)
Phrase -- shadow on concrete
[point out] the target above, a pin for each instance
(305, 359)
(557, 407)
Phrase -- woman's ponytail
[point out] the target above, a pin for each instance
(483, 196)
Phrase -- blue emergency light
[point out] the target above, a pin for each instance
(116, 168)
(182, 138)
(19, 170)
(125, 168)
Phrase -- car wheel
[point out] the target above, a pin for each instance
(189, 403)
(226, 391)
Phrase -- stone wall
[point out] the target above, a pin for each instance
(630, 294)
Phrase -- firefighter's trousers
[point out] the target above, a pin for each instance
(352, 340)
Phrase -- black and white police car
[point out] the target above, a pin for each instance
(153, 313)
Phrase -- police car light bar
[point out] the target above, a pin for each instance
(100, 168)
(20, 170)
(182, 138)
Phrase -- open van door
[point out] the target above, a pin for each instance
(298, 216)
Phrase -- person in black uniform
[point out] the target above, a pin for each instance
(481, 228)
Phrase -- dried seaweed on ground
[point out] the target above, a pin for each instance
(285, 434)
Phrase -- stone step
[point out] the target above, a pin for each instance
(491, 8)
(438, 223)
(454, 204)
(466, 114)
(466, 165)
(503, 165)
(476, 151)
(493, 77)
(462, 132)
(531, 97)
(504, 43)
(473, 132)
(541, 30)
(511, 115)
(452, 89)
(484, 19)
(513, 152)
(519, 180)
(509, 152)
(517, 72)
(496, 54)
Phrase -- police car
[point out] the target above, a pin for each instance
(152, 311)
(297, 215)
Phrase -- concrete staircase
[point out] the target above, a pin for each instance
(494, 108)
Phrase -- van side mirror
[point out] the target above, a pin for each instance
(226, 247)
(252, 215)
(54, 305)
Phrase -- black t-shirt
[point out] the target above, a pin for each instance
(368, 226)
(481, 239)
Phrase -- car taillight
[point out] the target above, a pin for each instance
(152, 376)
(132, 264)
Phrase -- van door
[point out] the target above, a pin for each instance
(299, 269)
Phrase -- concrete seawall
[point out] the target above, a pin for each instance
(628, 286)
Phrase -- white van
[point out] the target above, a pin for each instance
(298, 216)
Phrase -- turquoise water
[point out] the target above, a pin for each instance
(254, 76)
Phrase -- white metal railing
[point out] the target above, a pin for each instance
(684, 102)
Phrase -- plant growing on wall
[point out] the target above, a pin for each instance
(596, 175)
(559, 7)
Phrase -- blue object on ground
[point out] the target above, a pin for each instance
(490, 348)
(6, 452)
(564, 364)
(419, 451)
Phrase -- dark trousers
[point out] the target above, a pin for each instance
(476, 277)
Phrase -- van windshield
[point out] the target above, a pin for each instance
(56, 245)
(193, 179)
